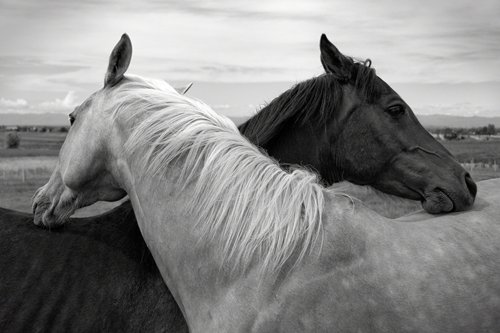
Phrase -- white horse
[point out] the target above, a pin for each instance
(245, 246)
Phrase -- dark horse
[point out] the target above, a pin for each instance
(372, 137)
(97, 273)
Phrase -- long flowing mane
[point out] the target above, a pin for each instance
(243, 200)
(313, 100)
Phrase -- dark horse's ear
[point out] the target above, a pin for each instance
(118, 61)
(333, 61)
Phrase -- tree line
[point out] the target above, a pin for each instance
(16, 128)
(460, 132)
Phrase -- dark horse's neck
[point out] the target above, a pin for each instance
(293, 128)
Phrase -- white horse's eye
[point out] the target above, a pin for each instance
(71, 119)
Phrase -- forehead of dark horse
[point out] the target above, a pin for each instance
(368, 85)
(383, 89)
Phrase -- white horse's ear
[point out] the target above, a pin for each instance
(119, 60)
(333, 61)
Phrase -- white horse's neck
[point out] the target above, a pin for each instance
(170, 236)
(191, 270)
(199, 270)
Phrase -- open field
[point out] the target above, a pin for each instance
(18, 184)
(479, 151)
(20, 177)
(24, 170)
(479, 174)
(48, 144)
(33, 144)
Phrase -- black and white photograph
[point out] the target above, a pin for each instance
(249, 166)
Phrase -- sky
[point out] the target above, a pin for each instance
(441, 56)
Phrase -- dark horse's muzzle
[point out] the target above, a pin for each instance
(439, 182)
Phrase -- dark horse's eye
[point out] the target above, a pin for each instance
(71, 119)
(396, 110)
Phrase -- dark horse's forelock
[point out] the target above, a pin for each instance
(314, 100)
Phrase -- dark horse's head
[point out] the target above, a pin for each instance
(348, 124)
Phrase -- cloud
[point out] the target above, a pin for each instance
(53, 46)
(57, 105)
(457, 109)
(444, 41)
(25, 65)
(60, 105)
(13, 104)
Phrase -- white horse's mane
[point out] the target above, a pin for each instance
(243, 200)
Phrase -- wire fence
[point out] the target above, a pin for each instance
(26, 169)
(471, 166)
(35, 169)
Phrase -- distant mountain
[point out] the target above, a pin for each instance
(28, 119)
(238, 120)
(441, 120)
(56, 119)
(434, 120)
(429, 121)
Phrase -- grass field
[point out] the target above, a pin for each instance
(16, 194)
(33, 144)
(479, 151)
(20, 177)
(25, 169)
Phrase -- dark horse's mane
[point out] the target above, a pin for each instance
(312, 100)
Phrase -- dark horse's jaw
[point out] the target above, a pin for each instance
(438, 192)
(441, 200)
(438, 202)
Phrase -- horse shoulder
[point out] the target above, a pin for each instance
(313, 297)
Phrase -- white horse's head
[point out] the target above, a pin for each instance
(83, 174)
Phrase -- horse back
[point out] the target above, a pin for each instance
(379, 275)
(95, 274)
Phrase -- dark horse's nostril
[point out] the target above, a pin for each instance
(470, 185)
